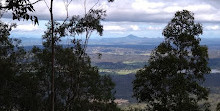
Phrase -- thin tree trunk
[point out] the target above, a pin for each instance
(52, 41)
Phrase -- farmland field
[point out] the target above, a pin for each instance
(122, 62)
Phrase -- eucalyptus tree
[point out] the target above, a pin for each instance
(84, 28)
(172, 80)
(78, 85)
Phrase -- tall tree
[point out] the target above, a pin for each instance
(78, 85)
(85, 27)
(172, 80)
(52, 46)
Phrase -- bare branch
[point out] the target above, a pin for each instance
(46, 4)
(94, 5)
(70, 2)
(67, 11)
(85, 6)
(5, 7)
(36, 2)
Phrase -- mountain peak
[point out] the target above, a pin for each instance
(131, 36)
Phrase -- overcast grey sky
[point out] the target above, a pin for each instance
(145, 18)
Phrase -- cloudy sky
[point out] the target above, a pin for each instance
(144, 18)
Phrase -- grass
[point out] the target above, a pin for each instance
(131, 107)
(130, 62)
(146, 54)
(124, 72)
(119, 72)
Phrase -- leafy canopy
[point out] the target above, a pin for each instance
(172, 80)
(16, 87)
(78, 85)
(19, 9)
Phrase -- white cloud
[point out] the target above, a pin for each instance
(172, 9)
(27, 28)
(2, 2)
(208, 17)
(153, 28)
(134, 27)
(135, 10)
(114, 28)
(195, 8)
(212, 27)
(59, 10)
(199, 7)
(117, 32)
(148, 7)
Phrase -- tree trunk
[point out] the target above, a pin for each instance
(52, 41)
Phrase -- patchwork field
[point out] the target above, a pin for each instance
(122, 62)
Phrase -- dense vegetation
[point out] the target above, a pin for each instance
(26, 79)
(171, 81)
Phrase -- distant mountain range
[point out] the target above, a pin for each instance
(128, 40)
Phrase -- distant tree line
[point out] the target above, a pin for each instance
(119, 65)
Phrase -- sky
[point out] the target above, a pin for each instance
(143, 18)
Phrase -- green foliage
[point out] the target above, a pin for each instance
(86, 24)
(171, 81)
(17, 88)
(7, 72)
(218, 107)
(26, 82)
(19, 9)
(78, 85)
(26, 79)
